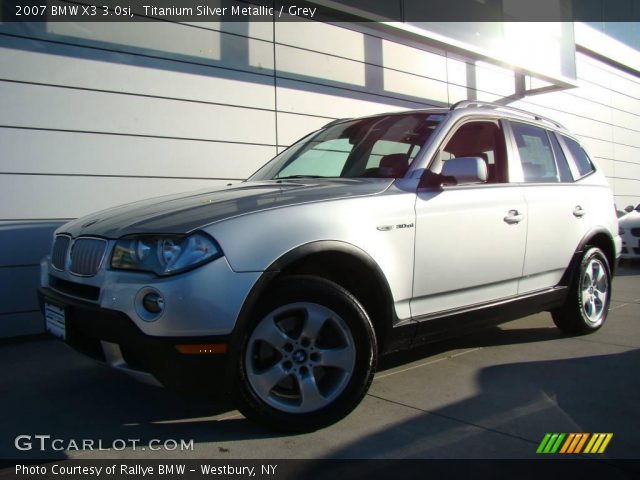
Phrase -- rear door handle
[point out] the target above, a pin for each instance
(513, 217)
(579, 211)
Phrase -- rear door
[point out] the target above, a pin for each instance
(558, 208)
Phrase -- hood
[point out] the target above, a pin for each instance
(186, 212)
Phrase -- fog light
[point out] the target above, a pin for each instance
(153, 303)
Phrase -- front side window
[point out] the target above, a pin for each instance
(382, 147)
(482, 139)
(580, 157)
(536, 155)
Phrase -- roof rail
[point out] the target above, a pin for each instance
(497, 106)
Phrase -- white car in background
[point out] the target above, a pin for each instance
(630, 233)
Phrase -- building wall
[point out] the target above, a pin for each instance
(94, 115)
(604, 112)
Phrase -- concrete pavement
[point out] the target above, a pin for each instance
(492, 394)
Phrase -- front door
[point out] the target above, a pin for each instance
(470, 239)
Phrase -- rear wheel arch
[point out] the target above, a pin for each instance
(598, 237)
(587, 304)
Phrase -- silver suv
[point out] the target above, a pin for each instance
(367, 236)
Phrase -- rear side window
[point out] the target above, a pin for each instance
(536, 155)
(580, 157)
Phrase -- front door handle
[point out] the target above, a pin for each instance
(579, 211)
(513, 217)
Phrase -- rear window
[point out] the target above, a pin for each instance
(580, 157)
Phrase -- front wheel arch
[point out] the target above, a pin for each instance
(304, 260)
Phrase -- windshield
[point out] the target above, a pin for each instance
(382, 147)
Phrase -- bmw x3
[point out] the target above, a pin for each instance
(365, 237)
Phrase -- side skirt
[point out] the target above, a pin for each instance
(453, 323)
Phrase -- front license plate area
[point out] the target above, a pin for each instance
(55, 320)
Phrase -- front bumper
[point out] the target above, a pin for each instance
(205, 301)
(111, 337)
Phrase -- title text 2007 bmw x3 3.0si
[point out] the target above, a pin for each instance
(367, 236)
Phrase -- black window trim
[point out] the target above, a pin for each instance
(573, 172)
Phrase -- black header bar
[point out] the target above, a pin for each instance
(323, 10)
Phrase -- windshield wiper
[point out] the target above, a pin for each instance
(301, 176)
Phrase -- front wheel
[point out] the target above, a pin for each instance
(587, 304)
(307, 358)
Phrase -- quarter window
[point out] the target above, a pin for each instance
(536, 156)
(580, 157)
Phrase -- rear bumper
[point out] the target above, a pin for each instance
(111, 337)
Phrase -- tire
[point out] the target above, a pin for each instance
(587, 304)
(307, 358)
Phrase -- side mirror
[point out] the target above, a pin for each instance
(466, 169)
(457, 171)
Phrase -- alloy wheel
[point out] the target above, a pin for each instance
(300, 357)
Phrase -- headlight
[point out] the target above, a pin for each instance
(620, 231)
(164, 254)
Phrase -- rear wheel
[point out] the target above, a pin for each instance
(587, 304)
(307, 358)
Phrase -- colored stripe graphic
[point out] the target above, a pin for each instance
(598, 443)
(574, 443)
(581, 443)
(565, 447)
(550, 443)
(605, 443)
(556, 445)
(543, 443)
